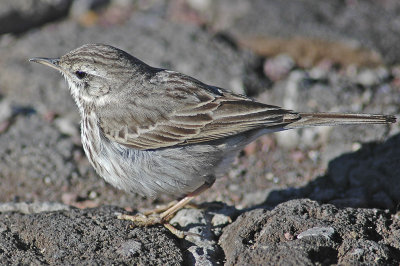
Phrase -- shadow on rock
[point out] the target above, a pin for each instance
(367, 178)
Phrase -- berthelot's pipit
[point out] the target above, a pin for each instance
(152, 131)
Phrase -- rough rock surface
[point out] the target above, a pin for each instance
(89, 236)
(302, 232)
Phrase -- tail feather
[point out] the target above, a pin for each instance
(332, 119)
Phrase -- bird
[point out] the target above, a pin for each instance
(155, 131)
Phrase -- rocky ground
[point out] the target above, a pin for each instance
(313, 196)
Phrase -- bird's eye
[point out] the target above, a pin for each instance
(80, 74)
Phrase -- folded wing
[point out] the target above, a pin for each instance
(185, 111)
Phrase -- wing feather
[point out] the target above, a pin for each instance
(185, 111)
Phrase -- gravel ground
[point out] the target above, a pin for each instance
(302, 55)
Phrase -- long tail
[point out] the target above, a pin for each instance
(332, 119)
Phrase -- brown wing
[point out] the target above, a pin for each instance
(185, 111)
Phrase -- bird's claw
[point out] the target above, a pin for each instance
(142, 220)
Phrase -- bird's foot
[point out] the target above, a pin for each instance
(163, 215)
(142, 220)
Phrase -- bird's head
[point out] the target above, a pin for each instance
(96, 72)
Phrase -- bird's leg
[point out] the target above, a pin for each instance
(143, 220)
(167, 215)
(164, 207)
(160, 209)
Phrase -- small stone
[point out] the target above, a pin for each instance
(67, 127)
(321, 71)
(356, 146)
(200, 5)
(47, 180)
(220, 219)
(357, 251)
(254, 198)
(93, 195)
(314, 155)
(367, 78)
(325, 232)
(289, 236)
(288, 139)
(269, 176)
(5, 110)
(129, 248)
(278, 67)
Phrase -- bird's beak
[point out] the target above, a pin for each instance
(51, 62)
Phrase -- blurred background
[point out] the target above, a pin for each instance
(306, 55)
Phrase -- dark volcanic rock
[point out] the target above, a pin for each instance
(17, 16)
(33, 154)
(306, 233)
(90, 236)
(371, 24)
